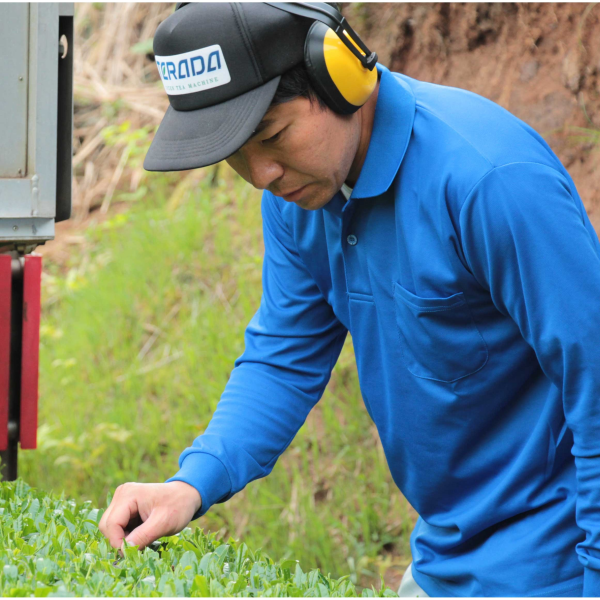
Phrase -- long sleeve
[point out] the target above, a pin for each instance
(528, 241)
(291, 345)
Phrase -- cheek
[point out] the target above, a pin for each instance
(317, 152)
(335, 143)
(237, 164)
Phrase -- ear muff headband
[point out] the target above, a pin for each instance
(322, 12)
(331, 51)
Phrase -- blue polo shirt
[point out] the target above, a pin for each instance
(468, 273)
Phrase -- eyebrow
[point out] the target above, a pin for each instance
(262, 126)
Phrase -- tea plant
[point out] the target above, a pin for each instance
(52, 546)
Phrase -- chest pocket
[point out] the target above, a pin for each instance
(439, 337)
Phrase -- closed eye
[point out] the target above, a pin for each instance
(275, 137)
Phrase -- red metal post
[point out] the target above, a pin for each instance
(5, 296)
(32, 284)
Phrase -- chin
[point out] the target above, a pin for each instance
(313, 202)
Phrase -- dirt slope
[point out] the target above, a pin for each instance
(540, 61)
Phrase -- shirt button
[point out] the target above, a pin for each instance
(352, 239)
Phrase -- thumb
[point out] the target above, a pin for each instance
(144, 534)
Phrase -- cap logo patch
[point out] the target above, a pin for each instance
(193, 71)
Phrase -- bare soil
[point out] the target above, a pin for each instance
(540, 61)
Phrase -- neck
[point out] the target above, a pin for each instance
(366, 116)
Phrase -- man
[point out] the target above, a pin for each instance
(447, 237)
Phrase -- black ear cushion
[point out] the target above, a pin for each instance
(317, 71)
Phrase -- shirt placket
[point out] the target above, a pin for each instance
(349, 245)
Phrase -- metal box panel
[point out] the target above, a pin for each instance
(14, 50)
(36, 115)
(43, 102)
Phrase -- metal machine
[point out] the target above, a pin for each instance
(36, 125)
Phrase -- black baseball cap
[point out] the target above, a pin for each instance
(220, 63)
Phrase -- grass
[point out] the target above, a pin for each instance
(139, 334)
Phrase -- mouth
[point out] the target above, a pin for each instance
(294, 195)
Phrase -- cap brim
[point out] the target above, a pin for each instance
(198, 138)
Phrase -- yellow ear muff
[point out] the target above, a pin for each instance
(337, 75)
(354, 82)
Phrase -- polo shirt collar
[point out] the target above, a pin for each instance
(392, 126)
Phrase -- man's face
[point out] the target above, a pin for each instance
(301, 152)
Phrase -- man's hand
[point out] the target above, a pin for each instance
(143, 512)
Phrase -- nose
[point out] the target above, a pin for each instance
(262, 170)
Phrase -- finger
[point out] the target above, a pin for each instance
(106, 514)
(105, 518)
(119, 518)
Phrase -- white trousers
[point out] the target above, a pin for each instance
(409, 588)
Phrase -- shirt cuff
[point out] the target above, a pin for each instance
(591, 583)
(208, 475)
